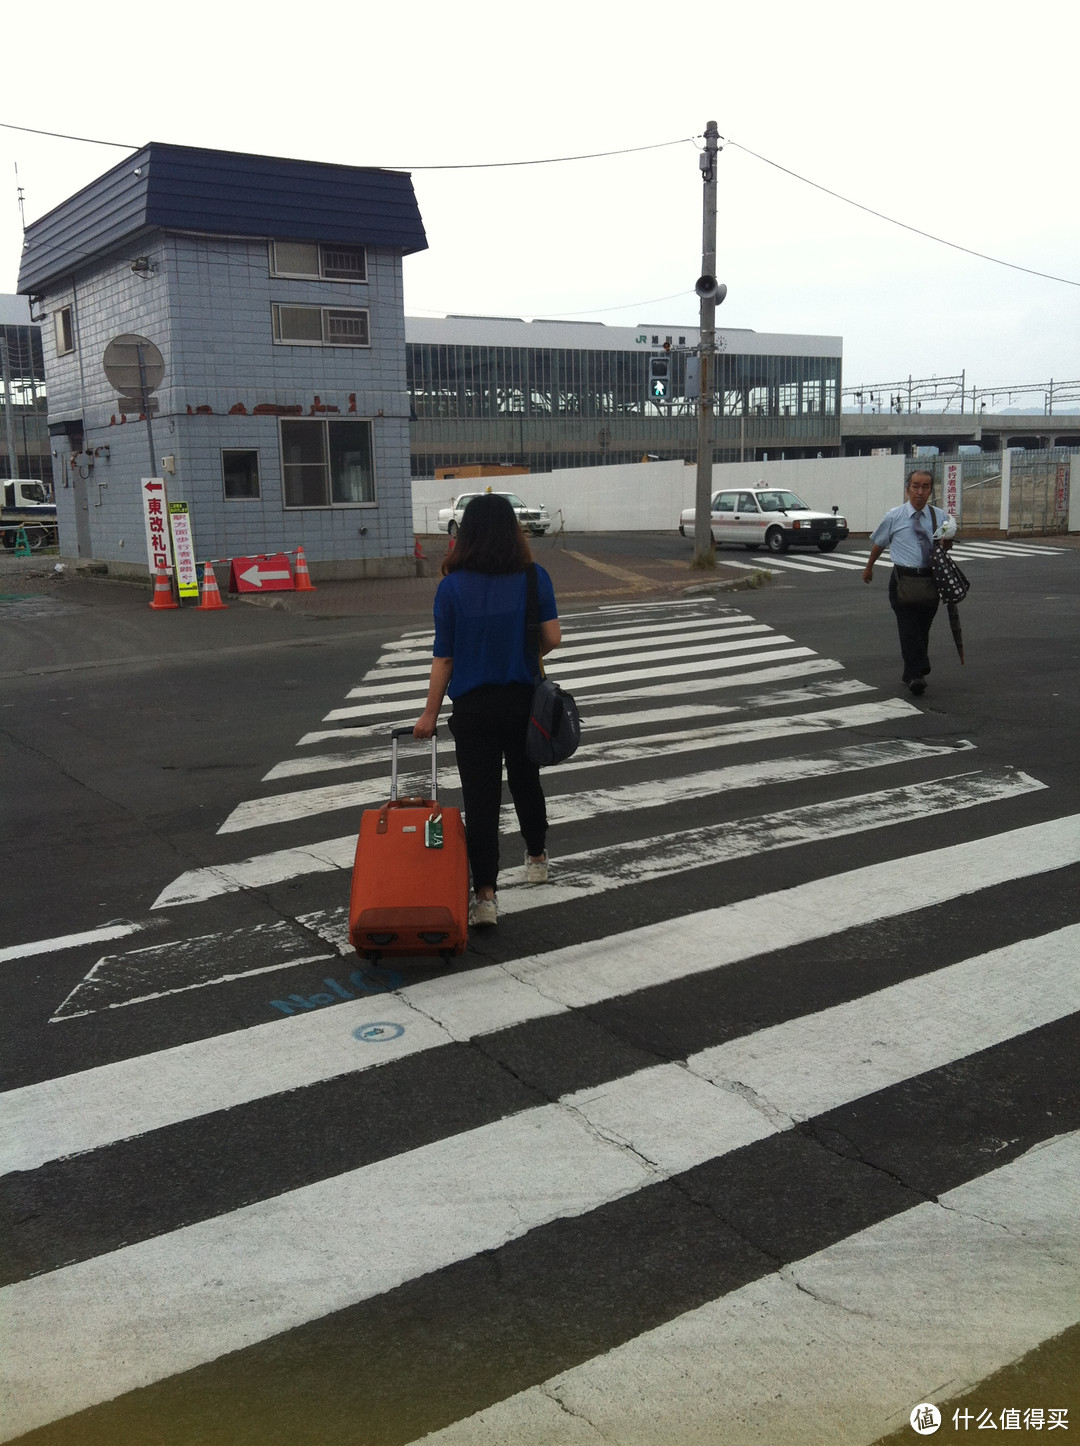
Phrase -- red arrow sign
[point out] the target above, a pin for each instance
(261, 574)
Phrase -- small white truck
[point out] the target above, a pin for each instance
(27, 509)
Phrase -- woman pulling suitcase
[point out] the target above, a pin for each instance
(480, 660)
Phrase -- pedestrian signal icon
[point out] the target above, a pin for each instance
(659, 378)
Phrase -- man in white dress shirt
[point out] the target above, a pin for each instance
(908, 533)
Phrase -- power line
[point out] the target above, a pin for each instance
(456, 166)
(543, 161)
(634, 150)
(60, 136)
(1012, 265)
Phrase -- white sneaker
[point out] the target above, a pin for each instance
(536, 873)
(483, 913)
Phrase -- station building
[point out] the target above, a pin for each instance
(556, 394)
(265, 297)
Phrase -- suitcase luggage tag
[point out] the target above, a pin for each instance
(433, 832)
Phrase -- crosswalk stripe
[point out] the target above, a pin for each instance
(305, 803)
(1008, 549)
(164, 969)
(87, 1332)
(262, 870)
(379, 689)
(597, 871)
(708, 629)
(69, 941)
(841, 1345)
(703, 683)
(845, 564)
(695, 708)
(85, 1110)
(788, 563)
(682, 668)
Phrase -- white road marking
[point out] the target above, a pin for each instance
(572, 645)
(94, 1107)
(776, 699)
(399, 715)
(596, 871)
(846, 563)
(305, 803)
(841, 1345)
(1009, 549)
(88, 1332)
(706, 685)
(360, 757)
(263, 870)
(774, 561)
(681, 669)
(379, 690)
(116, 930)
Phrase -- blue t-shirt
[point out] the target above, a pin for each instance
(480, 623)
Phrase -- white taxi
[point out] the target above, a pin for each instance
(769, 516)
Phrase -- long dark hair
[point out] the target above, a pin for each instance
(489, 539)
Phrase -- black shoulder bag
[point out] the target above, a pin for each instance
(554, 730)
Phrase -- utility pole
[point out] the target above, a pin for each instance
(711, 294)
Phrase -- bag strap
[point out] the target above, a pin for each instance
(532, 623)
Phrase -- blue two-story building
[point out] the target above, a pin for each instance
(264, 298)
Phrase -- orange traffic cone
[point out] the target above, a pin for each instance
(211, 593)
(303, 582)
(418, 552)
(163, 597)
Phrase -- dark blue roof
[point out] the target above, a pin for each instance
(180, 188)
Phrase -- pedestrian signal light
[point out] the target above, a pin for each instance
(659, 378)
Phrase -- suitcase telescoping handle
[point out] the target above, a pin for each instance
(408, 733)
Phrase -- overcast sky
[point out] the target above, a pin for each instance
(959, 118)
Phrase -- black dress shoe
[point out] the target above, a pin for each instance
(917, 686)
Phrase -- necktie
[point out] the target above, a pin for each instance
(926, 536)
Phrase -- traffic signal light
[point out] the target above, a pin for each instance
(659, 378)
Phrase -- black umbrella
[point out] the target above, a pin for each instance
(954, 624)
(952, 588)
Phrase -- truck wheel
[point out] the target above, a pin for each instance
(775, 540)
(452, 529)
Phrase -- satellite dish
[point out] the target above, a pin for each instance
(121, 363)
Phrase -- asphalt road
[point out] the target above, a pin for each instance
(663, 1157)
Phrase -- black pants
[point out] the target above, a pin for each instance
(489, 725)
(913, 624)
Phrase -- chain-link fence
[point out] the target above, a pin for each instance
(1039, 491)
(970, 485)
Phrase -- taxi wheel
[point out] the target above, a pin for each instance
(452, 529)
(775, 540)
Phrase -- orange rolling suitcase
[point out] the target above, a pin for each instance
(410, 882)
